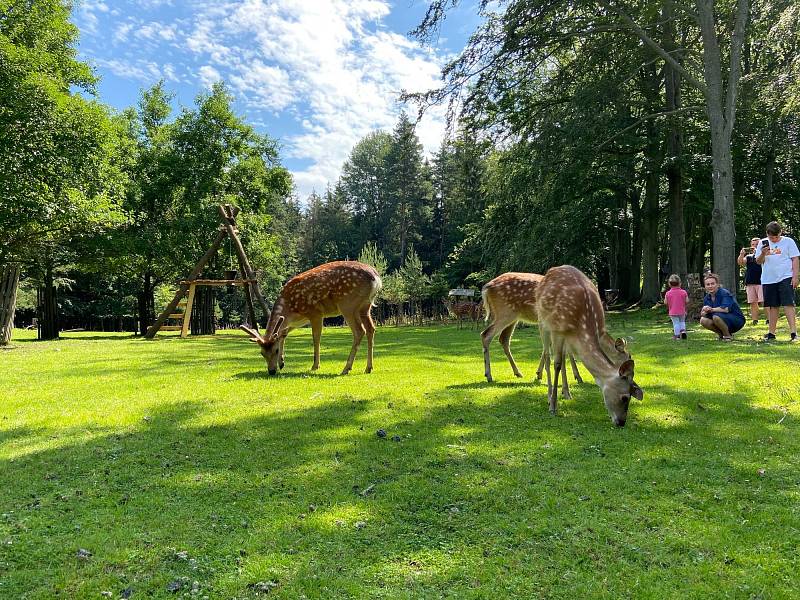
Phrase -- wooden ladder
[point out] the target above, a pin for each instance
(183, 313)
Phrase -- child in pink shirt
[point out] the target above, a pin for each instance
(676, 300)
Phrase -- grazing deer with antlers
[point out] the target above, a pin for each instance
(510, 298)
(571, 315)
(346, 288)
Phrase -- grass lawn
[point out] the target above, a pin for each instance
(177, 468)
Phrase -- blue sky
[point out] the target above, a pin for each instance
(316, 74)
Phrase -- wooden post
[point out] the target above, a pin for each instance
(9, 280)
(228, 214)
(184, 287)
(187, 314)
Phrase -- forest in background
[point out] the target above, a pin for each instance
(583, 136)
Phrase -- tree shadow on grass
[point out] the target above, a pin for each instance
(310, 497)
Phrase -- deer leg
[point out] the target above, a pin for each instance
(544, 361)
(487, 335)
(280, 352)
(505, 342)
(369, 325)
(575, 372)
(565, 393)
(558, 356)
(316, 334)
(357, 327)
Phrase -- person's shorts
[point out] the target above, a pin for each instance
(734, 322)
(754, 293)
(778, 294)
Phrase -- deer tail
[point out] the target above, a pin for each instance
(486, 305)
(377, 286)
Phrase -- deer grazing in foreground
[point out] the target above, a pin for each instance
(510, 298)
(345, 288)
(571, 316)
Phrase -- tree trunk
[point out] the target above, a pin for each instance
(721, 108)
(146, 303)
(674, 170)
(651, 288)
(202, 319)
(9, 280)
(635, 277)
(48, 307)
(767, 189)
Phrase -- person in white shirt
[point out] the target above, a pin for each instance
(778, 257)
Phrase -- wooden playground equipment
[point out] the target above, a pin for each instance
(185, 296)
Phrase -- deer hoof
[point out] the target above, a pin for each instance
(489, 379)
(566, 395)
(518, 374)
(344, 371)
(368, 370)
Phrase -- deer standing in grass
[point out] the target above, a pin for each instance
(346, 288)
(571, 317)
(510, 298)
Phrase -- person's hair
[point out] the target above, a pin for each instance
(755, 239)
(674, 280)
(774, 228)
(711, 275)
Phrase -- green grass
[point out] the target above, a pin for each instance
(178, 459)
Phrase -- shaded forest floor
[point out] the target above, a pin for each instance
(177, 468)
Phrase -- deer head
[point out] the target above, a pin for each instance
(270, 344)
(617, 393)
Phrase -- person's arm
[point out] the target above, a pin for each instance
(726, 301)
(742, 258)
(795, 267)
(761, 254)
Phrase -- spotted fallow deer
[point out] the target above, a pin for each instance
(510, 298)
(571, 316)
(346, 288)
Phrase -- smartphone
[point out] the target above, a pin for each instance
(764, 243)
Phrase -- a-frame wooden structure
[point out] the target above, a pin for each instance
(247, 280)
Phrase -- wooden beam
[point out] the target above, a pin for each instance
(151, 332)
(228, 214)
(187, 314)
(217, 282)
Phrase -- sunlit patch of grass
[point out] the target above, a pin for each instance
(179, 461)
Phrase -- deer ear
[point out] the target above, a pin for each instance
(620, 345)
(637, 392)
(626, 369)
(278, 324)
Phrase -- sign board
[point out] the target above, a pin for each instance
(461, 292)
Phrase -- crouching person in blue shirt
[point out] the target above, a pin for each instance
(720, 313)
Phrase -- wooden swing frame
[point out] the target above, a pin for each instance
(248, 280)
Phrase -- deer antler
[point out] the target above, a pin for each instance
(254, 335)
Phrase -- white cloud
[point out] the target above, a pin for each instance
(331, 66)
(142, 70)
(330, 61)
(208, 75)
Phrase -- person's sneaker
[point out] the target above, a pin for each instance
(793, 337)
(755, 322)
(683, 335)
(675, 337)
(769, 337)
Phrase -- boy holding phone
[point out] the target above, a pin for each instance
(752, 277)
(778, 257)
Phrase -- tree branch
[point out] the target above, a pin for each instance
(638, 122)
(654, 46)
(735, 71)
